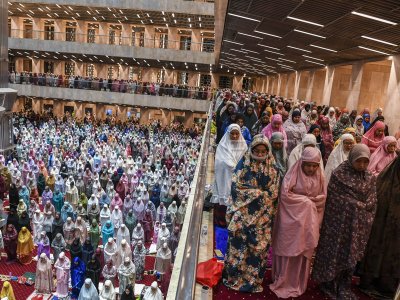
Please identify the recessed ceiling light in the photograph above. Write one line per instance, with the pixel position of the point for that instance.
(271, 58)
(253, 36)
(268, 47)
(238, 50)
(265, 33)
(274, 52)
(243, 17)
(287, 60)
(305, 21)
(314, 62)
(174, 21)
(162, 12)
(373, 18)
(173, 15)
(300, 49)
(377, 40)
(313, 57)
(250, 51)
(323, 48)
(309, 33)
(232, 42)
(373, 50)
(70, 7)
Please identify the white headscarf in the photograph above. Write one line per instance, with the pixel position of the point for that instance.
(88, 293)
(295, 155)
(231, 151)
(337, 156)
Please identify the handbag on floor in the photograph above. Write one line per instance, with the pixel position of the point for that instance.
(209, 273)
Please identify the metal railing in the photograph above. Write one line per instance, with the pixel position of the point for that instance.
(183, 279)
(112, 39)
(118, 86)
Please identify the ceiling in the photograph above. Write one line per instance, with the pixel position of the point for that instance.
(263, 37)
(110, 15)
(111, 60)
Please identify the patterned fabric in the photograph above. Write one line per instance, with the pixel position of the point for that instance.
(255, 187)
(346, 225)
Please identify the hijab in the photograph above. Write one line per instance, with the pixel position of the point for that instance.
(231, 151)
(279, 155)
(381, 157)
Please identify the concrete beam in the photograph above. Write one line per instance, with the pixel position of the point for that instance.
(182, 104)
(172, 6)
(112, 50)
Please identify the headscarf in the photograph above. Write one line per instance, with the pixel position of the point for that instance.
(7, 291)
(268, 130)
(359, 129)
(231, 151)
(294, 131)
(358, 151)
(279, 155)
(88, 293)
(369, 138)
(381, 158)
(344, 122)
(337, 156)
(130, 296)
(365, 123)
(332, 119)
(308, 139)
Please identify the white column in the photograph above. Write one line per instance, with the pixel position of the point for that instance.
(355, 85)
(326, 96)
(391, 110)
(310, 84)
(296, 85)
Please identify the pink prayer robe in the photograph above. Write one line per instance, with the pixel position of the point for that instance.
(62, 274)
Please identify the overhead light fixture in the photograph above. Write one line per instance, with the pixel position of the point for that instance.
(300, 49)
(271, 58)
(250, 51)
(268, 47)
(138, 16)
(173, 15)
(238, 50)
(189, 20)
(162, 12)
(314, 62)
(274, 52)
(312, 57)
(265, 33)
(232, 42)
(373, 18)
(287, 60)
(377, 40)
(373, 50)
(70, 7)
(323, 48)
(174, 21)
(254, 58)
(243, 17)
(309, 33)
(305, 21)
(253, 36)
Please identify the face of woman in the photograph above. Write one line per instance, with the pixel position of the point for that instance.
(240, 122)
(361, 164)
(379, 113)
(348, 145)
(316, 132)
(296, 119)
(234, 135)
(265, 119)
(276, 124)
(260, 151)
(366, 119)
(231, 109)
(391, 147)
(309, 168)
(379, 132)
(277, 145)
(250, 111)
(359, 122)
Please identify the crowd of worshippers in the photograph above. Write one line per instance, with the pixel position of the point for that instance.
(309, 187)
(114, 85)
(105, 195)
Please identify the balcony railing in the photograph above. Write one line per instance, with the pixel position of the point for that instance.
(114, 39)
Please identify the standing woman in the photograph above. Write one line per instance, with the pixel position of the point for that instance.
(327, 138)
(275, 126)
(295, 130)
(279, 153)
(25, 246)
(382, 256)
(255, 186)
(383, 155)
(373, 138)
(10, 242)
(296, 230)
(230, 150)
(346, 225)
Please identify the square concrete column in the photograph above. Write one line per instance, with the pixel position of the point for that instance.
(237, 83)
(17, 27)
(101, 70)
(126, 34)
(149, 36)
(173, 38)
(19, 65)
(310, 84)
(124, 73)
(296, 85)
(59, 67)
(80, 69)
(355, 85)
(193, 79)
(38, 28)
(103, 34)
(391, 109)
(196, 40)
(278, 89)
(189, 119)
(81, 31)
(37, 66)
(329, 75)
(144, 115)
(59, 30)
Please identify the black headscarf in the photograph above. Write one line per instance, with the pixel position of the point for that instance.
(24, 221)
(13, 218)
(131, 295)
(320, 143)
(76, 249)
(57, 226)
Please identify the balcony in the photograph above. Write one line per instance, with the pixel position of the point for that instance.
(106, 97)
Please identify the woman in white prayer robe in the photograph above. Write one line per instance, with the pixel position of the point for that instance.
(88, 291)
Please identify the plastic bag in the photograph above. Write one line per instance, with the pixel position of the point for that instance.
(209, 272)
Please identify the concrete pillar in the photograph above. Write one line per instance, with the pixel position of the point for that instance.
(101, 70)
(80, 69)
(144, 115)
(310, 85)
(237, 83)
(59, 30)
(36, 66)
(124, 73)
(126, 34)
(193, 78)
(189, 119)
(17, 27)
(296, 85)
(149, 36)
(267, 86)
(196, 40)
(103, 33)
(326, 95)
(81, 31)
(38, 28)
(278, 90)
(173, 38)
(355, 85)
(391, 109)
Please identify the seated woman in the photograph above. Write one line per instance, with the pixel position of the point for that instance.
(255, 186)
(296, 229)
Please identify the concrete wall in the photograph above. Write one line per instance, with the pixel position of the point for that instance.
(112, 50)
(173, 6)
(112, 98)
